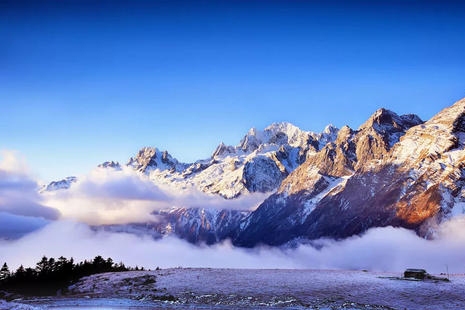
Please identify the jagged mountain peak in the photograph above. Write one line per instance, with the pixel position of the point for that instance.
(329, 134)
(384, 120)
(152, 158)
(394, 170)
(344, 134)
(285, 133)
(223, 149)
(278, 135)
(110, 164)
(58, 185)
(285, 127)
(330, 129)
(275, 134)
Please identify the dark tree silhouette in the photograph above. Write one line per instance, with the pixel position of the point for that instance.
(4, 272)
(50, 275)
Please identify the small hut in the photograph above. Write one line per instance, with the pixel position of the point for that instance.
(419, 274)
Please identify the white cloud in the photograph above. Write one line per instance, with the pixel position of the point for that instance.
(380, 249)
(103, 196)
(21, 207)
(119, 196)
(110, 196)
(14, 226)
(12, 161)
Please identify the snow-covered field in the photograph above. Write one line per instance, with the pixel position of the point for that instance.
(255, 289)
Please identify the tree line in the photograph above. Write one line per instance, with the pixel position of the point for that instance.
(51, 275)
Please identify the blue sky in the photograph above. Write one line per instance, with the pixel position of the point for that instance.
(82, 83)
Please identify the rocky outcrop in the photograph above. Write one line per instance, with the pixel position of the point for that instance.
(150, 158)
(110, 164)
(393, 170)
(336, 189)
(259, 163)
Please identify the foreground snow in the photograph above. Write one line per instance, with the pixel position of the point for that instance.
(258, 289)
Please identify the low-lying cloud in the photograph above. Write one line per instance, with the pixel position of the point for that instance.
(15, 226)
(103, 196)
(109, 196)
(121, 196)
(57, 223)
(380, 249)
(22, 209)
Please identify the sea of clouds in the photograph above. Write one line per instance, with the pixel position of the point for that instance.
(56, 224)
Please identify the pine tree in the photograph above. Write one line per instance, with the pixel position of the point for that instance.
(51, 274)
(42, 266)
(4, 272)
(20, 271)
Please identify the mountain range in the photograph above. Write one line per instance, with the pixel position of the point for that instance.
(394, 170)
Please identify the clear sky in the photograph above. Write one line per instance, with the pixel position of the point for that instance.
(82, 83)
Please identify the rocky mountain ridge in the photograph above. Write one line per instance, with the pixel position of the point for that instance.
(259, 163)
(287, 213)
(393, 170)
(408, 174)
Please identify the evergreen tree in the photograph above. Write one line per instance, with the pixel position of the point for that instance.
(4, 272)
(20, 271)
(51, 275)
(42, 265)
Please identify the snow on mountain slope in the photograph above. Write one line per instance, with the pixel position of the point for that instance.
(296, 207)
(397, 171)
(60, 184)
(432, 159)
(261, 160)
(149, 158)
(393, 170)
(196, 225)
(259, 163)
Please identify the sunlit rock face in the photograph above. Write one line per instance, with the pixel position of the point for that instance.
(393, 170)
(261, 160)
(259, 163)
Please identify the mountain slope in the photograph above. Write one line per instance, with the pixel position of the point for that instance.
(196, 225)
(307, 203)
(395, 170)
(258, 163)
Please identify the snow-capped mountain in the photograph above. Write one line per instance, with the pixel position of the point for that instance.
(258, 163)
(322, 175)
(151, 159)
(393, 170)
(60, 184)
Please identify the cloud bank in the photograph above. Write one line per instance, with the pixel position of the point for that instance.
(56, 224)
(380, 249)
(103, 196)
(109, 196)
(121, 196)
(21, 207)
